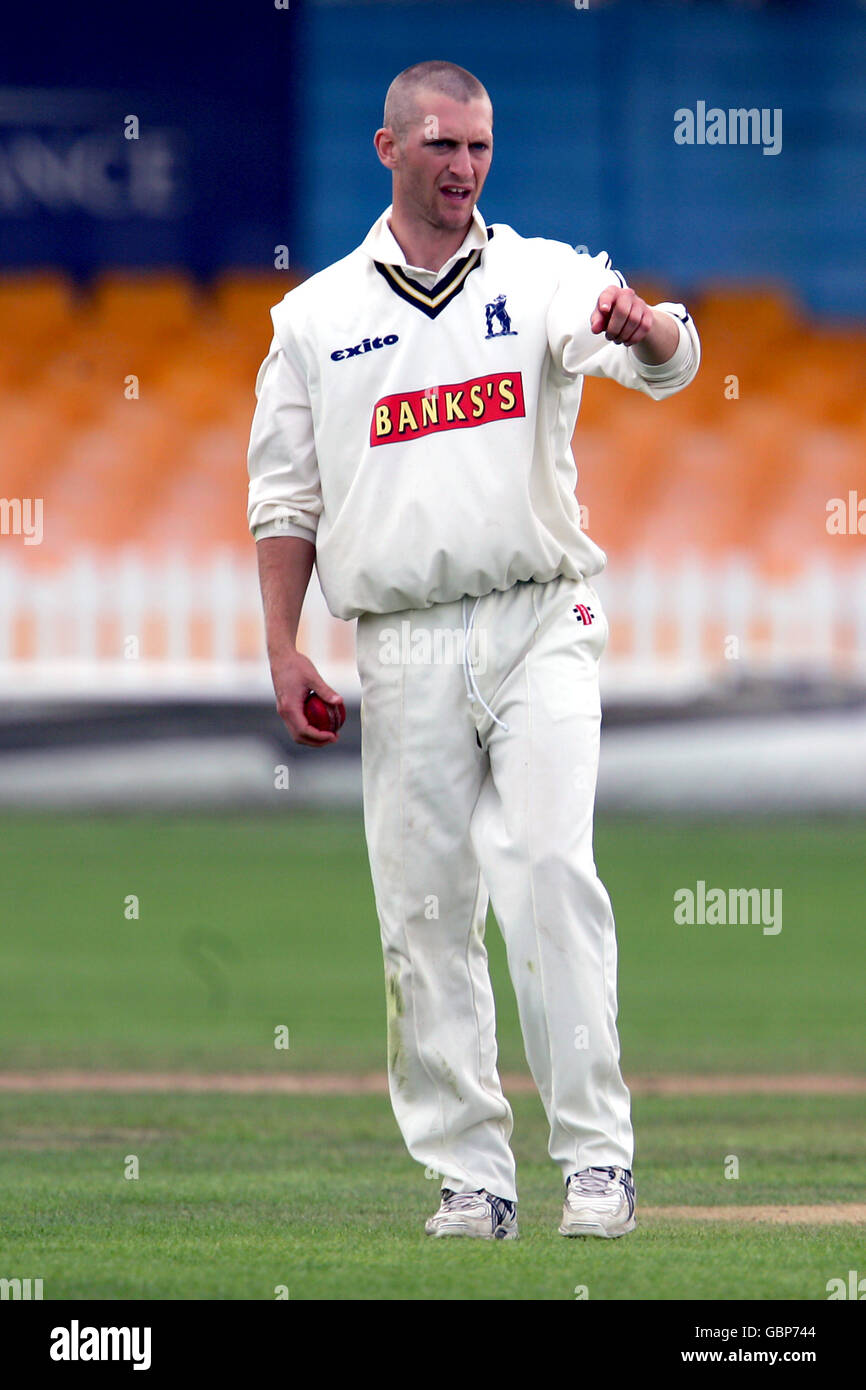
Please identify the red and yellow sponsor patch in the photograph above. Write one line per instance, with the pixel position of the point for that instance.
(464, 404)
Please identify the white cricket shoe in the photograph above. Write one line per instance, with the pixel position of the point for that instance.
(476, 1214)
(598, 1202)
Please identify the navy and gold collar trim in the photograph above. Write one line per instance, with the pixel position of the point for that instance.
(431, 302)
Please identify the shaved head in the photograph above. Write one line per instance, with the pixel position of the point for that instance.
(402, 109)
(437, 141)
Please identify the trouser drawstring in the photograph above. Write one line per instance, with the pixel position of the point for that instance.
(472, 691)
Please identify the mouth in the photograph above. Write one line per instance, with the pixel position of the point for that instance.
(454, 193)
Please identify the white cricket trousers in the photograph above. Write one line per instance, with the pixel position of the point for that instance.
(450, 823)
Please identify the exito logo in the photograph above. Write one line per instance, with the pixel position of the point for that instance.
(366, 345)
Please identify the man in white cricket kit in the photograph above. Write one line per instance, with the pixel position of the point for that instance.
(412, 437)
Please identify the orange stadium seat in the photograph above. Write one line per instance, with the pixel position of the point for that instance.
(241, 298)
(699, 509)
(31, 442)
(699, 472)
(113, 473)
(36, 307)
(827, 382)
(201, 387)
(621, 471)
(37, 317)
(746, 333)
(756, 311)
(830, 463)
(163, 305)
(241, 302)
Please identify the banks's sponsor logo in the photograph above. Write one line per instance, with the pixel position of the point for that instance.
(462, 405)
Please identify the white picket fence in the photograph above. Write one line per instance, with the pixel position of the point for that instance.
(113, 624)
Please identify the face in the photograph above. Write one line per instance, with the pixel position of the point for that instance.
(440, 170)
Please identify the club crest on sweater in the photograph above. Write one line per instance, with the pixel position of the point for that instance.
(496, 312)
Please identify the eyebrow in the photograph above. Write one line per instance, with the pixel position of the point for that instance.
(449, 140)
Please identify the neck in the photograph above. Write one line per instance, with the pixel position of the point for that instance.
(423, 245)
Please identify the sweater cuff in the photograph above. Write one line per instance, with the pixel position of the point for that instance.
(676, 366)
(279, 527)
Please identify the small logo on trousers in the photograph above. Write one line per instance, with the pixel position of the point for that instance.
(583, 614)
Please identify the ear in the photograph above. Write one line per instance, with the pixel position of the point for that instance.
(387, 147)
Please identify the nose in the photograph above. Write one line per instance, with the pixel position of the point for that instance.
(460, 164)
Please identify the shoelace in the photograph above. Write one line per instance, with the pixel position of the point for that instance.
(596, 1181)
(462, 1201)
(458, 1201)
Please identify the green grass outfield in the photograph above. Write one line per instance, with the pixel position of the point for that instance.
(237, 1195)
(246, 924)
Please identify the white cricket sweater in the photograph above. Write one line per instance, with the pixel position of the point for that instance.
(416, 426)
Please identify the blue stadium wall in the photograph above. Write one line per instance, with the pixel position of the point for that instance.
(260, 120)
(584, 104)
(209, 180)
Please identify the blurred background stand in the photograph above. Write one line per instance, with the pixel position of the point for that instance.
(153, 209)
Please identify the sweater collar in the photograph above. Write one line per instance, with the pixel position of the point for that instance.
(381, 245)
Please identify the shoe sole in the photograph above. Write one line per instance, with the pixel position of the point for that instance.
(456, 1231)
(589, 1228)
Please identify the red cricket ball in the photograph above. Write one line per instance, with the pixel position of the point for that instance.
(328, 718)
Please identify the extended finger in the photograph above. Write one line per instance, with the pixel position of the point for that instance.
(620, 315)
(640, 330)
(601, 312)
